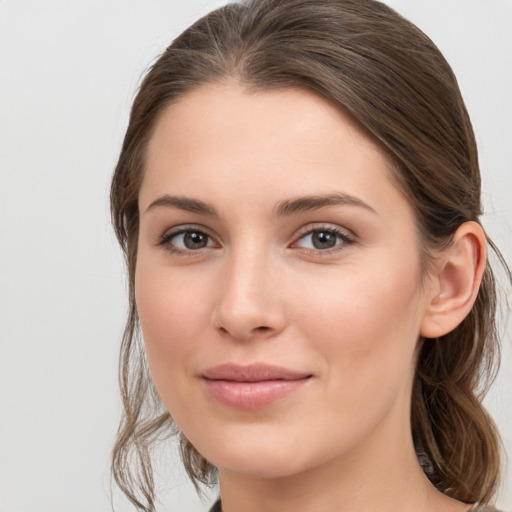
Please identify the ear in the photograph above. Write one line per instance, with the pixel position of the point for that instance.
(456, 281)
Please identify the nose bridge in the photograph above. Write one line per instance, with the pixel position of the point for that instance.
(248, 301)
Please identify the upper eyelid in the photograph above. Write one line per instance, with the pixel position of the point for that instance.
(183, 228)
(327, 226)
(307, 228)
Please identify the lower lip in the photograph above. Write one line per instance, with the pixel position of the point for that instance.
(252, 395)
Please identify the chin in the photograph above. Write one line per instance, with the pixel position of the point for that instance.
(252, 451)
(263, 452)
(260, 466)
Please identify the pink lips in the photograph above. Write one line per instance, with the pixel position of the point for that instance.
(253, 386)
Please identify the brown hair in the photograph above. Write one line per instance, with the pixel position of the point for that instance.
(389, 76)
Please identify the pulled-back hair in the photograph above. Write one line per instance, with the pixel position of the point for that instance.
(392, 80)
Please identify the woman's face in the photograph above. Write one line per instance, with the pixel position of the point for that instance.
(277, 282)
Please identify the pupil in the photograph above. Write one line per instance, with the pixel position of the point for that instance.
(324, 240)
(195, 240)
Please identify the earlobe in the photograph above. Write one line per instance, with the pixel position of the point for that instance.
(456, 281)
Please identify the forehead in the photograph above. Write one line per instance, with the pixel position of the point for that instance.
(211, 111)
(224, 139)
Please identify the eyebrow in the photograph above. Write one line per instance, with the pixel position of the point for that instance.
(316, 202)
(183, 203)
(282, 209)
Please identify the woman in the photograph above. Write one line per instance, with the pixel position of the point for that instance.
(298, 199)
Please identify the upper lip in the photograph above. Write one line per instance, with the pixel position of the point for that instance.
(255, 372)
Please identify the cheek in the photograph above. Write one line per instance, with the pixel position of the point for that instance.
(171, 318)
(367, 320)
(173, 321)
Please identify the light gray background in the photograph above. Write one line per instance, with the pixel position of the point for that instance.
(68, 72)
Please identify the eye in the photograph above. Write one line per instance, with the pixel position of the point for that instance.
(324, 239)
(187, 240)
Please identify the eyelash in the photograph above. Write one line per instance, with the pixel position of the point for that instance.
(167, 238)
(346, 240)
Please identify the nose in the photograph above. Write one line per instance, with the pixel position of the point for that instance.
(249, 301)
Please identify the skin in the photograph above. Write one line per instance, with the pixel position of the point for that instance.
(260, 291)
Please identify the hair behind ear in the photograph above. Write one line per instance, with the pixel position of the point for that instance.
(458, 443)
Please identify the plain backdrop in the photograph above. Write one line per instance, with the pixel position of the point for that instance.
(68, 72)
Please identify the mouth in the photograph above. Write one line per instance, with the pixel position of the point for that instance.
(253, 386)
